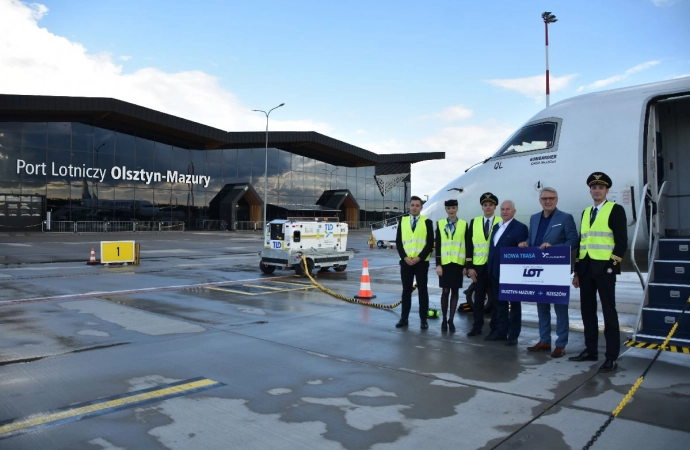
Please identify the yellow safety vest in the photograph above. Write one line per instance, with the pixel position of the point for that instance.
(452, 247)
(413, 241)
(481, 244)
(597, 240)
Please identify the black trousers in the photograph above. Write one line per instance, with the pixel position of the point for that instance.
(481, 289)
(507, 316)
(408, 274)
(605, 284)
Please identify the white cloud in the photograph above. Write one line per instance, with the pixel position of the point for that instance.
(125, 57)
(37, 10)
(42, 63)
(457, 112)
(463, 145)
(616, 78)
(533, 87)
(36, 62)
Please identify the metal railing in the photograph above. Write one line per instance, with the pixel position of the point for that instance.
(637, 228)
(112, 226)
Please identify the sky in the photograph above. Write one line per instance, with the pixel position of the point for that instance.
(388, 76)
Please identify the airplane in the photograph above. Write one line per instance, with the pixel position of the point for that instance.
(639, 136)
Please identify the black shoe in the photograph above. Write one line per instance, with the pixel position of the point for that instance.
(402, 323)
(609, 365)
(425, 325)
(511, 342)
(444, 325)
(584, 356)
(474, 332)
(451, 327)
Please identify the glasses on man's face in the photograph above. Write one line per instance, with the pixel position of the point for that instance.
(548, 199)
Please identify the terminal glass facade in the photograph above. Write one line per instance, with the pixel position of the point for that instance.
(91, 173)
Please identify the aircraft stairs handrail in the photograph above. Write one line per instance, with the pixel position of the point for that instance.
(386, 223)
(651, 256)
(634, 239)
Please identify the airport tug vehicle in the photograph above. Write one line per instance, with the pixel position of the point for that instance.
(321, 241)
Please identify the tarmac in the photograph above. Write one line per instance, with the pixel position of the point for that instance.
(195, 348)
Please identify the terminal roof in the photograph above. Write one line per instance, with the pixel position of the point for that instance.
(151, 124)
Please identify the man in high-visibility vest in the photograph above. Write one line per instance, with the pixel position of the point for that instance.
(415, 242)
(603, 242)
(479, 233)
(451, 237)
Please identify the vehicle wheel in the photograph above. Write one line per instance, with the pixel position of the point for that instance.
(341, 268)
(266, 268)
(299, 268)
(381, 244)
(310, 265)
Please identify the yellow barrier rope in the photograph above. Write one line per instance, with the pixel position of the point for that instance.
(637, 384)
(347, 299)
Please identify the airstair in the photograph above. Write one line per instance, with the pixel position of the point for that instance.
(667, 284)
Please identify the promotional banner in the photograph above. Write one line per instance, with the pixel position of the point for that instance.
(535, 275)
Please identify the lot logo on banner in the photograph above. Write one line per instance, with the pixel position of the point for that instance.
(535, 275)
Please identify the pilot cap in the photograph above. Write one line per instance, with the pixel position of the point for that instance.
(599, 178)
(451, 203)
(488, 197)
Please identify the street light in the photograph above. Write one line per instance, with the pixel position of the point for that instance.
(331, 179)
(548, 18)
(266, 160)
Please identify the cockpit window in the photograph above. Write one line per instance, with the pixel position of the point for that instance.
(540, 136)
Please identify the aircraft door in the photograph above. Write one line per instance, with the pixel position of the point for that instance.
(654, 176)
(673, 158)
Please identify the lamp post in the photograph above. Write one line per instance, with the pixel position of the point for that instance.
(548, 18)
(330, 180)
(266, 160)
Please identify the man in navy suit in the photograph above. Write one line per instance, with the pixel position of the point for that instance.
(508, 233)
(548, 228)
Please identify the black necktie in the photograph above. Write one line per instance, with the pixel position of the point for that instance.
(593, 216)
(486, 228)
(414, 223)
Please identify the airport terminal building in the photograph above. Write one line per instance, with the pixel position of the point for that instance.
(97, 159)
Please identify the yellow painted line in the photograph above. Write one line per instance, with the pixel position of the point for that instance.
(232, 291)
(261, 286)
(268, 289)
(654, 345)
(102, 407)
(293, 284)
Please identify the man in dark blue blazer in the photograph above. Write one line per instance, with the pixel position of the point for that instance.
(551, 227)
(508, 233)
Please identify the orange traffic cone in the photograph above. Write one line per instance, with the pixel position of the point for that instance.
(365, 285)
(92, 259)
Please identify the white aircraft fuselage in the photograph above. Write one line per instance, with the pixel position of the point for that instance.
(620, 132)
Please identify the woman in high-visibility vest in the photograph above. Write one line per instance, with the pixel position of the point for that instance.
(451, 234)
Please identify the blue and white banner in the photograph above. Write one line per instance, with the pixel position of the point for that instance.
(535, 275)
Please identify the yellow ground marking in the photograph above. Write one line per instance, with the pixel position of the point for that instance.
(44, 419)
(268, 289)
(654, 346)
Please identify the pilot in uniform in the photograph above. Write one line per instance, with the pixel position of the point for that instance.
(479, 235)
(603, 242)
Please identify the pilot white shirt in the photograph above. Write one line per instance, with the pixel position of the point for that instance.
(499, 232)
